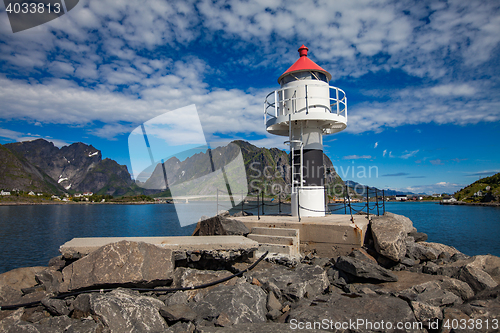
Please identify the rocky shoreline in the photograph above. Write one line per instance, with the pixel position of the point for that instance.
(398, 282)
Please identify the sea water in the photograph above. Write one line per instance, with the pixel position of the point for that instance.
(31, 234)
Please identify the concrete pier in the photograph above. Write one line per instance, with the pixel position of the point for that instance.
(330, 236)
(79, 247)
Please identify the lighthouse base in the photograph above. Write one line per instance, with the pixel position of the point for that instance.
(308, 201)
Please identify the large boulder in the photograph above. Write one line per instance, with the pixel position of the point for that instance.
(21, 278)
(364, 269)
(188, 277)
(230, 305)
(220, 225)
(15, 323)
(294, 284)
(406, 222)
(418, 251)
(125, 311)
(480, 272)
(347, 313)
(389, 236)
(123, 263)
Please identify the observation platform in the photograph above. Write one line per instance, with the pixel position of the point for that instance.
(330, 235)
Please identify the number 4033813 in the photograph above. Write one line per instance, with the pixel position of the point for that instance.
(471, 324)
(33, 7)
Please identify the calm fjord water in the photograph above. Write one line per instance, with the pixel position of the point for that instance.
(31, 235)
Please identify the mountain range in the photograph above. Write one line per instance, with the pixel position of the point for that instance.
(40, 166)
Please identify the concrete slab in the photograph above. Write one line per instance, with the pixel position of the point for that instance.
(79, 247)
(329, 236)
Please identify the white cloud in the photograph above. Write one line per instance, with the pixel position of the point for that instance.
(376, 145)
(408, 154)
(19, 137)
(440, 187)
(357, 157)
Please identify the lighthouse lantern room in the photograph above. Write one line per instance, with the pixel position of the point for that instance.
(305, 108)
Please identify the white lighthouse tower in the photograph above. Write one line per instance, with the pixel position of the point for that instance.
(305, 108)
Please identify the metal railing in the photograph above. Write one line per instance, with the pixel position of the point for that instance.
(274, 103)
(373, 204)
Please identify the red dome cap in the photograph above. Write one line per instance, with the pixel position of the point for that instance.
(304, 64)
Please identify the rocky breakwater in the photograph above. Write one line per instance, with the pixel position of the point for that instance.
(397, 283)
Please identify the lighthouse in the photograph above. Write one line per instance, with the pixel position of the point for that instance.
(304, 109)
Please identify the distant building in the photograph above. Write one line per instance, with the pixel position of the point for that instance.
(487, 188)
(32, 193)
(436, 195)
(55, 197)
(88, 194)
(451, 199)
(401, 197)
(4, 192)
(478, 194)
(77, 195)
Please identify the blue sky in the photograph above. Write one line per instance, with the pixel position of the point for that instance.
(421, 78)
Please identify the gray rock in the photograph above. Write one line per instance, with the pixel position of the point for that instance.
(188, 277)
(442, 248)
(57, 307)
(477, 279)
(125, 262)
(389, 237)
(20, 278)
(459, 256)
(179, 297)
(409, 261)
(244, 303)
(9, 295)
(220, 225)
(338, 309)
(81, 306)
(57, 263)
(181, 327)
(480, 272)
(425, 312)
(364, 269)
(297, 283)
(49, 279)
(406, 222)
(125, 311)
(177, 312)
(418, 236)
(273, 303)
(418, 251)
(430, 293)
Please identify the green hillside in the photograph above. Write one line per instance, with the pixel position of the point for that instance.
(484, 190)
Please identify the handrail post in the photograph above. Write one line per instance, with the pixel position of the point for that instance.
(258, 207)
(263, 203)
(383, 200)
(279, 203)
(376, 198)
(307, 102)
(276, 103)
(367, 203)
(337, 101)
